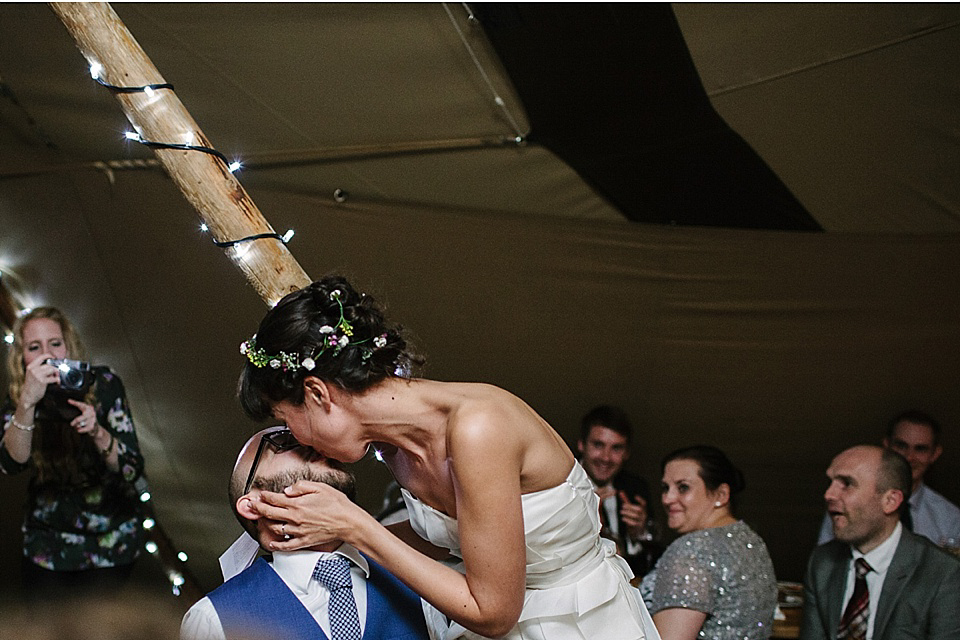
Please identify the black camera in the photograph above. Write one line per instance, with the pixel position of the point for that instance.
(76, 379)
(74, 374)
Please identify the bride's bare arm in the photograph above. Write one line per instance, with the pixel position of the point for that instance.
(405, 532)
(485, 459)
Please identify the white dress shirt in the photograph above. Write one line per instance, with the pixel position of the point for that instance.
(609, 505)
(879, 560)
(295, 568)
(934, 516)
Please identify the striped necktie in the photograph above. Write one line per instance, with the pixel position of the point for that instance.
(853, 624)
(334, 574)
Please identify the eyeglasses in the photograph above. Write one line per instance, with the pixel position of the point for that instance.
(280, 440)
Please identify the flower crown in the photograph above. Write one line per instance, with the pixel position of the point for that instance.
(336, 338)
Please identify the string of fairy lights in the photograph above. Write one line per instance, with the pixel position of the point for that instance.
(157, 544)
(240, 245)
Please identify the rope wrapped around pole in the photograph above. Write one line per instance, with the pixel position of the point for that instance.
(158, 115)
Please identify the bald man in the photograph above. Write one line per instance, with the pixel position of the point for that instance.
(289, 597)
(916, 436)
(876, 580)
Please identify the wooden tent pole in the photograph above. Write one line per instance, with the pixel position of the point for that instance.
(159, 116)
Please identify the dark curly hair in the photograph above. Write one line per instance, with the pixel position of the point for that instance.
(294, 326)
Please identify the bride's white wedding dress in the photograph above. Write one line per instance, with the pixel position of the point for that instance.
(578, 588)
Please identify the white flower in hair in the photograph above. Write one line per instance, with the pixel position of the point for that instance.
(335, 294)
(380, 342)
(243, 348)
(275, 364)
(343, 341)
(326, 329)
(308, 364)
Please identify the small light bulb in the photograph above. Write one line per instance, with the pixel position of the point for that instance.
(145, 496)
(149, 523)
(151, 547)
(95, 70)
(132, 135)
(378, 455)
(204, 227)
(234, 166)
(177, 579)
(241, 250)
(8, 338)
(286, 237)
(183, 556)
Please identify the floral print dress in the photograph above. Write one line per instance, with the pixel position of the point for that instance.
(96, 522)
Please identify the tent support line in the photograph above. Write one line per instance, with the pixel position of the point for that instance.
(285, 158)
(219, 199)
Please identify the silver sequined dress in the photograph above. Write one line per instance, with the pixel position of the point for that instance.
(725, 572)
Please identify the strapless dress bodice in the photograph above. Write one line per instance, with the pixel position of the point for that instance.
(576, 584)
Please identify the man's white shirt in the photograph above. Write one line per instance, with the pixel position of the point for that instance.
(879, 560)
(295, 568)
(609, 505)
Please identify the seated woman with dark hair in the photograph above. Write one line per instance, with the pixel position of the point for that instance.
(716, 580)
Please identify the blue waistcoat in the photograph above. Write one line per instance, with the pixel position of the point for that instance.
(258, 604)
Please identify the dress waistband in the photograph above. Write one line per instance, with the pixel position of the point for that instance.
(553, 572)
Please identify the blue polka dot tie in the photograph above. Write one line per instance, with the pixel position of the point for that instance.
(334, 574)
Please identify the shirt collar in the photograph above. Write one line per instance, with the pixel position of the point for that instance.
(608, 485)
(880, 558)
(296, 567)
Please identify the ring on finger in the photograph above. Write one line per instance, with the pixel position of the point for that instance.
(82, 423)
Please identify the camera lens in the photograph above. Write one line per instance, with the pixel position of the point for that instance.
(71, 379)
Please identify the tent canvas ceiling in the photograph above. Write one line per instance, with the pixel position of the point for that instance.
(506, 265)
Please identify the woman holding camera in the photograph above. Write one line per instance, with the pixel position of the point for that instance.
(71, 425)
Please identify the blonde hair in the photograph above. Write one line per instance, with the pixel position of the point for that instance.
(16, 369)
(56, 451)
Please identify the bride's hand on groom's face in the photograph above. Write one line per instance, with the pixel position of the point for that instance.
(307, 514)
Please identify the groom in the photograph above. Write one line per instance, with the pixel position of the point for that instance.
(294, 596)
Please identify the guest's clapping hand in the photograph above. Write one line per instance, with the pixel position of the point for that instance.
(634, 515)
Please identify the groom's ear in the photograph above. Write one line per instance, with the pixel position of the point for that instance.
(245, 507)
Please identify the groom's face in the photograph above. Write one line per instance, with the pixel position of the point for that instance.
(278, 470)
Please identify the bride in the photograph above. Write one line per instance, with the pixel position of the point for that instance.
(484, 477)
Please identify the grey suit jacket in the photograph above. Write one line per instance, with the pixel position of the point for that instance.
(920, 597)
